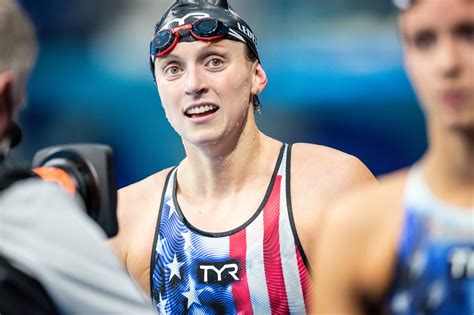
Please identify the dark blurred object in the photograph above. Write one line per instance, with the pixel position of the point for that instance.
(86, 169)
(14, 133)
(11, 139)
(21, 294)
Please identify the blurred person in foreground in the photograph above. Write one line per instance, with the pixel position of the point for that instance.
(407, 246)
(53, 258)
(227, 230)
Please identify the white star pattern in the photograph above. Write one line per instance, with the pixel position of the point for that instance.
(171, 206)
(192, 294)
(187, 240)
(174, 268)
(159, 245)
(162, 305)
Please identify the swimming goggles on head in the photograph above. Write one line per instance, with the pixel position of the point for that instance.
(205, 29)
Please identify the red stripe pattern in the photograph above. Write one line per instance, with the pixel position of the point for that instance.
(271, 253)
(240, 289)
(305, 278)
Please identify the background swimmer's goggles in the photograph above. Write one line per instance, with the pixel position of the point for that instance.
(205, 29)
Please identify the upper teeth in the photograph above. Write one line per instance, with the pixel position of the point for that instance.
(200, 109)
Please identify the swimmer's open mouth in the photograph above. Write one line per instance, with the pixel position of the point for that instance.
(201, 110)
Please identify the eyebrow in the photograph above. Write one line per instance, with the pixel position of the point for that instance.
(213, 48)
(172, 57)
(212, 45)
(167, 57)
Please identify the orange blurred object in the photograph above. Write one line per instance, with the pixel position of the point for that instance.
(57, 175)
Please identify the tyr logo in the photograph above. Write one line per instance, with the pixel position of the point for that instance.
(184, 20)
(219, 272)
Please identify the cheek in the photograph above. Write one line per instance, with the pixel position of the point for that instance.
(418, 70)
(469, 61)
(233, 89)
(243, 88)
(167, 94)
(168, 101)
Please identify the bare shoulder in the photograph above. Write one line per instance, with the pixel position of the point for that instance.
(319, 176)
(334, 166)
(137, 213)
(137, 203)
(141, 191)
(358, 244)
(370, 203)
(370, 220)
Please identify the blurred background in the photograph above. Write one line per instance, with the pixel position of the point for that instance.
(335, 78)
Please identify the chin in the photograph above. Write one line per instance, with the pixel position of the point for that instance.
(463, 126)
(459, 120)
(202, 139)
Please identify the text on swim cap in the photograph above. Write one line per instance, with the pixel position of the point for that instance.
(247, 32)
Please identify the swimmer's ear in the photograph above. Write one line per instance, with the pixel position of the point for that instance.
(259, 79)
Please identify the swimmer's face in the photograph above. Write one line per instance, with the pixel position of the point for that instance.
(439, 58)
(206, 89)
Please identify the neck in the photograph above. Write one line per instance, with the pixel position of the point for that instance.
(224, 167)
(448, 166)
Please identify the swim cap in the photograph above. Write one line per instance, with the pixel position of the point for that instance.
(184, 12)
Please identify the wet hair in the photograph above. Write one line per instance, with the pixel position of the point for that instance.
(250, 56)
